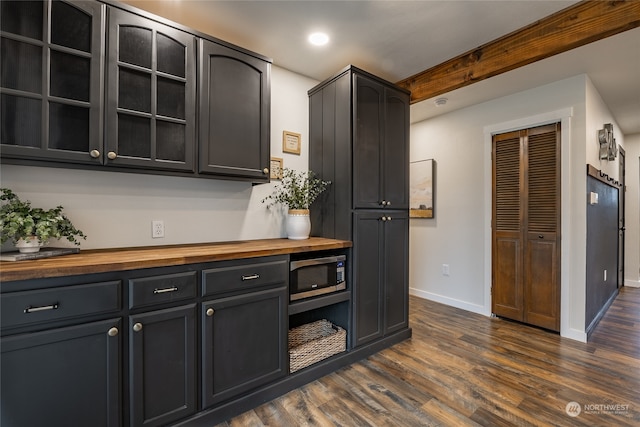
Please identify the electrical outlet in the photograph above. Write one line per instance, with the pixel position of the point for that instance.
(157, 229)
(445, 269)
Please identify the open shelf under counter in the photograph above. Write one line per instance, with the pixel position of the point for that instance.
(318, 302)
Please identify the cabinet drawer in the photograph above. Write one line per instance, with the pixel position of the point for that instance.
(240, 277)
(46, 305)
(161, 289)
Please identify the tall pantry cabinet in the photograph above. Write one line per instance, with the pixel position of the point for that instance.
(359, 140)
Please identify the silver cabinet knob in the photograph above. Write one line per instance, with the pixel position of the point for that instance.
(388, 203)
(137, 327)
(113, 332)
(112, 155)
(388, 218)
(94, 153)
(265, 170)
(210, 312)
(384, 218)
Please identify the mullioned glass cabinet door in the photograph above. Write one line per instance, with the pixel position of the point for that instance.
(50, 80)
(151, 83)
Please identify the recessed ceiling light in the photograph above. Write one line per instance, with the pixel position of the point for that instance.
(318, 39)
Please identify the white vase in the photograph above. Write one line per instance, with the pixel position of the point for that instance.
(29, 246)
(298, 224)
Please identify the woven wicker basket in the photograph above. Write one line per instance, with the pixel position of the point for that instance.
(313, 342)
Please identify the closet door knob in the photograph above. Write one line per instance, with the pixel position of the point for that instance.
(112, 155)
(113, 332)
(210, 312)
(94, 153)
(137, 327)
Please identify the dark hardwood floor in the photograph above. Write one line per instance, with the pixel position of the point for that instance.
(464, 369)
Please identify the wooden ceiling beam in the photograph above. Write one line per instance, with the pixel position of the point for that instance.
(575, 26)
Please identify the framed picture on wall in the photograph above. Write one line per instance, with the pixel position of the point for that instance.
(421, 189)
(291, 142)
(275, 171)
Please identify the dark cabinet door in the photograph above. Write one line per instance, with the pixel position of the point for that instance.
(395, 262)
(380, 145)
(51, 80)
(244, 343)
(368, 276)
(162, 366)
(367, 143)
(380, 292)
(234, 99)
(72, 373)
(395, 149)
(151, 83)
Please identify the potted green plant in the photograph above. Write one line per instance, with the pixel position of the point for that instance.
(297, 191)
(29, 228)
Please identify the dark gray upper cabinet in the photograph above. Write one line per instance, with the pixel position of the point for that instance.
(151, 94)
(359, 140)
(97, 85)
(234, 100)
(381, 152)
(51, 80)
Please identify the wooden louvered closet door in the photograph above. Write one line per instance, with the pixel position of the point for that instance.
(526, 226)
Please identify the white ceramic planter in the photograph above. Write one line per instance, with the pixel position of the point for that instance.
(29, 246)
(298, 224)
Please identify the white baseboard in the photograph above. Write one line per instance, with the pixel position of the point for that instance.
(474, 308)
(574, 334)
(570, 333)
(632, 283)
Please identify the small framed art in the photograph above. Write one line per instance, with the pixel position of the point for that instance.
(275, 168)
(291, 142)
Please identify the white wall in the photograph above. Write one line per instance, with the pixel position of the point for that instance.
(632, 236)
(460, 234)
(116, 209)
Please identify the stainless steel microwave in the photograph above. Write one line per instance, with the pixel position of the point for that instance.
(317, 276)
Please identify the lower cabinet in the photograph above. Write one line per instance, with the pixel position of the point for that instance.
(244, 343)
(63, 377)
(171, 345)
(380, 292)
(162, 366)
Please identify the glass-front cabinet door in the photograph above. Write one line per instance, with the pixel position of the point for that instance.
(150, 94)
(50, 80)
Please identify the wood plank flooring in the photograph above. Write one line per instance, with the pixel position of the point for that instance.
(464, 369)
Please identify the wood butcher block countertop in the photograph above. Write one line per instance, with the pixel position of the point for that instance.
(106, 260)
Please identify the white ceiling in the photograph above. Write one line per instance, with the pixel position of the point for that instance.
(395, 39)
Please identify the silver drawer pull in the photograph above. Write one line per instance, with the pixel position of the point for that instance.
(165, 290)
(32, 309)
(251, 277)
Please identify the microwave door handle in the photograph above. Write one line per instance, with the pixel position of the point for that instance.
(294, 265)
